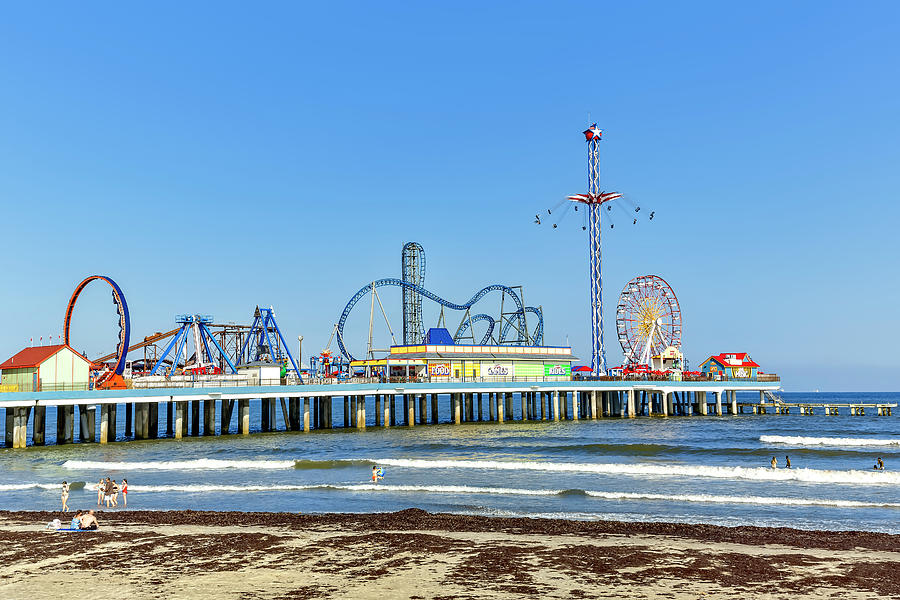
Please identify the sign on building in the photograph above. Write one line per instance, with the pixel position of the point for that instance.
(557, 370)
(439, 369)
(496, 370)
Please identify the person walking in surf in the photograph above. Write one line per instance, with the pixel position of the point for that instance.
(377, 474)
(774, 463)
(65, 496)
(787, 462)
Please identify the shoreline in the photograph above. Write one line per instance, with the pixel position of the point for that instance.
(418, 519)
(416, 554)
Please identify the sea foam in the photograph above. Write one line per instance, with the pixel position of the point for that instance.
(503, 491)
(797, 440)
(660, 470)
(178, 465)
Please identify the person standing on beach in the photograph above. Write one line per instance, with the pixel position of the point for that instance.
(124, 493)
(115, 494)
(100, 487)
(787, 462)
(774, 463)
(107, 491)
(65, 497)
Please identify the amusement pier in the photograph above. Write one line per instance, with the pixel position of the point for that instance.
(483, 360)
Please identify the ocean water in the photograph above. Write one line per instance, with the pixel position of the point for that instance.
(685, 469)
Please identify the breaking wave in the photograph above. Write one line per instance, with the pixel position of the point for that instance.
(660, 470)
(797, 440)
(464, 489)
(178, 465)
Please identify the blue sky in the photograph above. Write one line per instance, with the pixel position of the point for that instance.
(216, 156)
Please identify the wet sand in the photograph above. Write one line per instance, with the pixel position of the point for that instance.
(414, 554)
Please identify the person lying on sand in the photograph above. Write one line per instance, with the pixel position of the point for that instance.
(89, 521)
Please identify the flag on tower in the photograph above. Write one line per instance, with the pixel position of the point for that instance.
(592, 132)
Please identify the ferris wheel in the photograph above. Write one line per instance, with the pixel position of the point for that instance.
(648, 319)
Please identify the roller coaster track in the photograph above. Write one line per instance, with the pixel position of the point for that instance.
(538, 337)
(391, 281)
(480, 317)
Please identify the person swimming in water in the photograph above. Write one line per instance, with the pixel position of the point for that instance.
(787, 462)
(879, 464)
(377, 474)
(774, 463)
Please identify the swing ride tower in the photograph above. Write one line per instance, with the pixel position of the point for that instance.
(594, 201)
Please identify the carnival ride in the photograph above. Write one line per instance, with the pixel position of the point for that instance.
(193, 330)
(512, 318)
(648, 320)
(593, 202)
(201, 346)
(265, 341)
(106, 376)
(413, 270)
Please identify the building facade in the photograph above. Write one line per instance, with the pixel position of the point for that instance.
(734, 365)
(45, 368)
(448, 362)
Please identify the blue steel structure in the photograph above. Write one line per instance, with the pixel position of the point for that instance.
(196, 324)
(262, 332)
(595, 199)
(518, 316)
(413, 271)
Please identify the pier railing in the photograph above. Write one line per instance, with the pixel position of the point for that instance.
(238, 381)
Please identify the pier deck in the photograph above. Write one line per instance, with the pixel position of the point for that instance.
(192, 411)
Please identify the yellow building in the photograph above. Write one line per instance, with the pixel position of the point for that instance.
(450, 362)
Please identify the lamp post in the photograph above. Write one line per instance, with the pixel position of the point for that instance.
(300, 356)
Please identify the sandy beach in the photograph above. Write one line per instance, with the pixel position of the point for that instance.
(414, 554)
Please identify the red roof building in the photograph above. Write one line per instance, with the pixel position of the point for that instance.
(45, 368)
(734, 365)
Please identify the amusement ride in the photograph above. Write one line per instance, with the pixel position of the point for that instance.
(507, 327)
(648, 319)
(592, 203)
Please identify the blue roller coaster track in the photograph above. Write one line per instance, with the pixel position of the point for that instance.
(518, 315)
